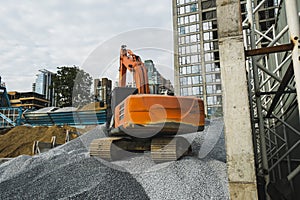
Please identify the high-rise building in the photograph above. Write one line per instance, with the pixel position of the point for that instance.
(196, 57)
(43, 84)
(157, 83)
(102, 90)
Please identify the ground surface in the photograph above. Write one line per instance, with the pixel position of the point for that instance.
(68, 172)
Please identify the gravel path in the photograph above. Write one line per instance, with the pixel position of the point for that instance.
(67, 172)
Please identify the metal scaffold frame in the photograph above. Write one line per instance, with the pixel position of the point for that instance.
(274, 90)
(10, 117)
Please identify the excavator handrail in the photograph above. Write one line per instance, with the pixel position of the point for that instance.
(132, 62)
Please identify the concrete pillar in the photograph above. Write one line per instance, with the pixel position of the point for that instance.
(238, 135)
(176, 53)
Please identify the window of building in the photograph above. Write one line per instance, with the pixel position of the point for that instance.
(186, 19)
(180, 1)
(182, 60)
(209, 56)
(181, 30)
(211, 100)
(188, 49)
(181, 40)
(183, 81)
(185, 70)
(213, 78)
(184, 1)
(188, 69)
(209, 15)
(184, 91)
(211, 67)
(218, 89)
(195, 69)
(181, 10)
(213, 89)
(194, 7)
(189, 80)
(193, 28)
(195, 59)
(196, 90)
(209, 25)
(188, 59)
(180, 20)
(190, 91)
(214, 100)
(210, 89)
(210, 35)
(187, 9)
(218, 77)
(210, 78)
(196, 80)
(207, 36)
(192, 18)
(193, 38)
(187, 39)
(208, 4)
(206, 26)
(210, 46)
(195, 48)
(216, 55)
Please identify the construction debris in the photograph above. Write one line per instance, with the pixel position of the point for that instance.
(67, 172)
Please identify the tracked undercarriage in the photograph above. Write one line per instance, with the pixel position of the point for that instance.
(162, 149)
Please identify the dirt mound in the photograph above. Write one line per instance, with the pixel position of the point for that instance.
(19, 140)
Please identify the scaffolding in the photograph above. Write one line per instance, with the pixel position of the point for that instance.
(10, 117)
(271, 39)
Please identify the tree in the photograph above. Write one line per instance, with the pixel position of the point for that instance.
(72, 86)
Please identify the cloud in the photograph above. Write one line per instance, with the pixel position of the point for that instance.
(48, 34)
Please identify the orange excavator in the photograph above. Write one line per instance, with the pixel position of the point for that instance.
(147, 122)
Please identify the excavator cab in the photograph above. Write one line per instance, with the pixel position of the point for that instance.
(148, 122)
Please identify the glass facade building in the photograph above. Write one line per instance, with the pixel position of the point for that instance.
(197, 66)
(43, 84)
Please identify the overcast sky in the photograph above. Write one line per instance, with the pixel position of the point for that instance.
(88, 33)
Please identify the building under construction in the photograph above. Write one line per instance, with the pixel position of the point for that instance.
(210, 39)
(242, 58)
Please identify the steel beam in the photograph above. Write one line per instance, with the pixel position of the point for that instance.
(285, 81)
(272, 49)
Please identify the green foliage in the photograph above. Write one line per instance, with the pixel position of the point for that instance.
(72, 86)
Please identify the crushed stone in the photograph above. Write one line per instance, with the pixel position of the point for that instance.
(68, 172)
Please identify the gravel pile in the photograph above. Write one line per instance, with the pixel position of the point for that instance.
(67, 172)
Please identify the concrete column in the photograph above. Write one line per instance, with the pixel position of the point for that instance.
(176, 53)
(238, 135)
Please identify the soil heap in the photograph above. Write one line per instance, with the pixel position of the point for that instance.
(19, 140)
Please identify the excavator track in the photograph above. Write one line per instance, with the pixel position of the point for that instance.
(103, 148)
(168, 149)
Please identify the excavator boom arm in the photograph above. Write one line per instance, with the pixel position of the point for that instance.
(133, 63)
